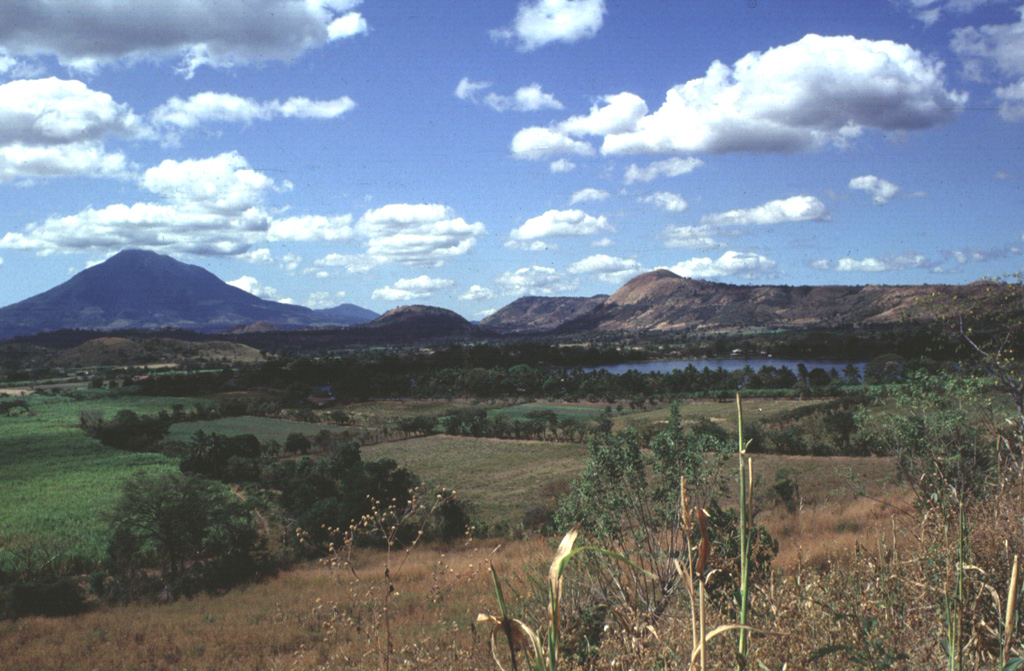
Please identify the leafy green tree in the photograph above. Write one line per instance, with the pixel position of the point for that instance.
(181, 523)
(297, 443)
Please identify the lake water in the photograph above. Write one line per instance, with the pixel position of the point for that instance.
(729, 364)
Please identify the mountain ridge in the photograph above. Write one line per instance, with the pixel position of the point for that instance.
(662, 301)
(142, 289)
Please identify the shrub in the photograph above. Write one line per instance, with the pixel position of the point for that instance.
(451, 518)
(297, 443)
(56, 598)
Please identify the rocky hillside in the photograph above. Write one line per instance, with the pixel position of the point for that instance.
(540, 313)
(663, 301)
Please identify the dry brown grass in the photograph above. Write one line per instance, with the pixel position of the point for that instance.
(843, 502)
(308, 618)
(829, 534)
(501, 478)
(15, 391)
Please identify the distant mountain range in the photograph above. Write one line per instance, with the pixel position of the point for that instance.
(662, 301)
(144, 290)
(138, 289)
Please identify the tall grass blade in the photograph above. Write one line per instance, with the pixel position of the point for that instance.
(744, 541)
(1011, 610)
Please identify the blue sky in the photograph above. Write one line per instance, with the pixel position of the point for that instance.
(463, 154)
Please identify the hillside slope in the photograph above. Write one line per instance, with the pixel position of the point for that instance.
(660, 300)
(139, 289)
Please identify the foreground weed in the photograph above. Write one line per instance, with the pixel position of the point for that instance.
(540, 654)
(397, 528)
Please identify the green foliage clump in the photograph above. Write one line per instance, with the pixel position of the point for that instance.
(127, 430)
(627, 499)
(188, 527)
(54, 598)
(227, 458)
(335, 491)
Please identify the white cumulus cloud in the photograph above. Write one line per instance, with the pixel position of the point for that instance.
(347, 25)
(796, 208)
(619, 114)
(253, 286)
(671, 167)
(321, 300)
(54, 127)
(562, 165)
(691, 237)
(607, 268)
(670, 202)
(468, 90)
(311, 228)
(416, 234)
(225, 107)
(998, 47)
(558, 223)
(542, 22)
(537, 143)
(477, 293)
(221, 184)
(261, 255)
(525, 99)
(796, 97)
(210, 207)
(882, 264)
(534, 280)
(881, 190)
(411, 289)
(353, 263)
(729, 264)
(588, 194)
(90, 159)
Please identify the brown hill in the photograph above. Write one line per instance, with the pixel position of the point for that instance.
(255, 327)
(663, 301)
(116, 351)
(418, 322)
(542, 313)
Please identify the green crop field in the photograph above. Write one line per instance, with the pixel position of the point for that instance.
(501, 478)
(56, 481)
(264, 428)
(581, 411)
(388, 409)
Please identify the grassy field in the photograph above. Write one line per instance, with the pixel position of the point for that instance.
(56, 481)
(580, 411)
(313, 617)
(385, 410)
(501, 478)
(723, 413)
(264, 428)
